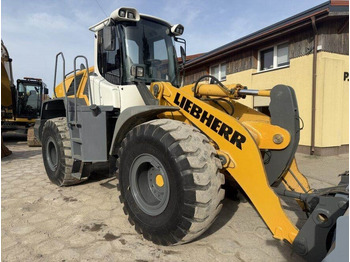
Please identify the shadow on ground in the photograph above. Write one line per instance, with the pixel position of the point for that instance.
(16, 138)
(21, 155)
(12, 136)
(228, 210)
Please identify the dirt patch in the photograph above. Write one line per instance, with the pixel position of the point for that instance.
(169, 252)
(70, 199)
(110, 237)
(123, 241)
(94, 227)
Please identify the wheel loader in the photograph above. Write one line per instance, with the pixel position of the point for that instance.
(173, 147)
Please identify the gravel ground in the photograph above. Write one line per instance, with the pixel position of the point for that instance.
(42, 222)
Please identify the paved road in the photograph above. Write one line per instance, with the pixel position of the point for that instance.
(41, 222)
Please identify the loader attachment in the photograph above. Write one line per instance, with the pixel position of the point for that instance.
(241, 146)
(326, 205)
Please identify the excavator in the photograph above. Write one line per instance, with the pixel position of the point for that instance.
(20, 105)
(174, 147)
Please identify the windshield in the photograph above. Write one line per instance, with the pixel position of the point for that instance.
(148, 45)
(29, 99)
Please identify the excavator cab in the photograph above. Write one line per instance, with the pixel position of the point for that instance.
(30, 93)
(20, 105)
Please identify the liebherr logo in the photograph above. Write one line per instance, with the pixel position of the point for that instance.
(234, 137)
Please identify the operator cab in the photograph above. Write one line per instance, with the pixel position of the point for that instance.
(30, 92)
(131, 48)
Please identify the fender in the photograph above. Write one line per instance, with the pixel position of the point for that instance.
(53, 108)
(132, 117)
(50, 109)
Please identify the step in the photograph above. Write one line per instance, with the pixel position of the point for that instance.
(71, 123)
(76, 175)
(77, 140)
(77, 157)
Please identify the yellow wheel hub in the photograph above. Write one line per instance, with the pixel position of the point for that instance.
(159, 180)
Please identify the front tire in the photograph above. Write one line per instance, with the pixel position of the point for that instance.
(169, 181)
(56, 151)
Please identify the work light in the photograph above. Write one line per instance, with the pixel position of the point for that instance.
(125, 14)
(177, 29)
(137, 71)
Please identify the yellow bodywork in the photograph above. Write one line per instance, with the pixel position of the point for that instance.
(59, 89)
(6, 92)
(239, 138)
(6, 77)
(6, 96)
(21, 120)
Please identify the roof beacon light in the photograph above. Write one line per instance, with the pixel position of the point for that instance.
(177, 29)
(125, 14)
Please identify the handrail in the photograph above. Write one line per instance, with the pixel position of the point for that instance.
(64, 74)
(64, 83)
(75, 84)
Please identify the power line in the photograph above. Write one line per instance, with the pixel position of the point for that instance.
(100, 7)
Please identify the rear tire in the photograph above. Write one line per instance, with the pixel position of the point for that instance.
(181, 204)
(56, 151)
(32, 141)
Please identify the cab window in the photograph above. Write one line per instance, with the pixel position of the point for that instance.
(71, 86)
(108, 61)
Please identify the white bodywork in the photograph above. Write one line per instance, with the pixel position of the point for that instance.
(105, 93)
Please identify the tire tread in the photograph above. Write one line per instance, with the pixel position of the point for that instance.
(202, 164)
(59, 125)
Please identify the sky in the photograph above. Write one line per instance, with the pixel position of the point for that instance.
(35, 31)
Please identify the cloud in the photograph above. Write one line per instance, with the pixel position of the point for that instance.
(49, 22)
(184, 12)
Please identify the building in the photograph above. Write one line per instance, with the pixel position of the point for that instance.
(309, 52)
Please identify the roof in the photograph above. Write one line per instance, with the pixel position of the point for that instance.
(339, 7)
(190, 57)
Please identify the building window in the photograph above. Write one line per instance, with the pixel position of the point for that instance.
(219, 71)
(282, 55)
(266, 59)
(273, 57)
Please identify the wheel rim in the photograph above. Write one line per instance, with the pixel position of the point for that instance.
(51, 154)
(149, 184)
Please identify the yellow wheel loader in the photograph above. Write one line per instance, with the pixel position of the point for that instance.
(174, 147)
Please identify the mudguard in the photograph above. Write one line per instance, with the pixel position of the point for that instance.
(132, 117)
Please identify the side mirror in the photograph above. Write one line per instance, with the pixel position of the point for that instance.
(46, 91)
(183, 55)
(109, 38)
